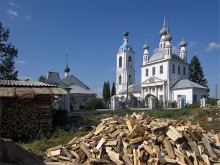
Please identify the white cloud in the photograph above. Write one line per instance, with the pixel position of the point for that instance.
(12, 13)
(212, 46)
(13, 4)
(23, 78)
(21, 62)
(28, 17)
(193, 44)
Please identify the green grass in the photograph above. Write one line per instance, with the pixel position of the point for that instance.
(57, 137)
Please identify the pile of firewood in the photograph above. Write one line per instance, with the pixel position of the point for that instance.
(26, 118)
(138, 140)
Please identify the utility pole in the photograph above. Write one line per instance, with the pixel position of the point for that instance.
(216, 91)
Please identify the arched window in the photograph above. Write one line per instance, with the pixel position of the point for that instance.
(119, 80)
(120, 62)
(129, 80)
(129, 62)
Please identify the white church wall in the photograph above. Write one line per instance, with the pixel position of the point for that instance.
(184, 93)
(157, 70)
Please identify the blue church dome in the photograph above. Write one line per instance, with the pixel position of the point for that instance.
(125, 47)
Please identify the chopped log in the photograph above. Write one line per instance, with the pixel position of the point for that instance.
(208, 147)
(169, 148)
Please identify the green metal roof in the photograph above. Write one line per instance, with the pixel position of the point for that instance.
(187, 84)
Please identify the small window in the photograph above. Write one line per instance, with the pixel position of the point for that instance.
(173, 68)
(161, 69)
(153, 71)
(129, 80)
(119, 80)
(120, 62)
(184, 70)
(129, 62)
(146, 72)
(178, 69)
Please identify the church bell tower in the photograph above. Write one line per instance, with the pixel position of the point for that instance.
(125, 72)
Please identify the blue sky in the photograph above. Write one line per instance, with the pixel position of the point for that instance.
(90, 32)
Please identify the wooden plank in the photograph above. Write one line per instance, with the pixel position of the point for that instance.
(100, 143)
(149, 150)
(128, 122)
(180, 156)
(172, 135)
(53, 153)
(111, 143)
(115, 133)
(99, 129)
(114, 157)
(55, 148)
(208, 147)
(72, 141)
(74, 154)
(194, 148)
(169, 148)
(126, 160)
(85, 150)
(175, 131)
(206, 159)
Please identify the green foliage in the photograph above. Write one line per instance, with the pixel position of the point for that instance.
(57, 137)
(42, 78)
(133, 100)
(212, 101)
(193, 106)
(106, 91)
(113, 91)
(196, 73)
(95, 103)
(7, 54)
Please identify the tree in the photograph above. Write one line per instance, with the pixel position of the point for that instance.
(106, 91)
(113, 91)
(42, 78)
(7, 54)
(196, 73)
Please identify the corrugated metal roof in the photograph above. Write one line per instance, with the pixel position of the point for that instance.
(187, 84)
(77, 89)
(160, 55)
(133, 88)
(16, 83)
(72, 80)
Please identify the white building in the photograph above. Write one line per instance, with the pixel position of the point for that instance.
(163, 74)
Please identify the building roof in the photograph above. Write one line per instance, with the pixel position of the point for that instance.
(75, 89)
(27, 89)
(125, 47)
(160, 55)
(182, 84)
(133, 88)
(72, 80)
(16, 83)
(54, 78)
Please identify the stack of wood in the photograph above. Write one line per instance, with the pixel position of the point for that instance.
(139, 140)
(26, 118)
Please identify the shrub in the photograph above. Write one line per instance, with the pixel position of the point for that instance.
(95, 103)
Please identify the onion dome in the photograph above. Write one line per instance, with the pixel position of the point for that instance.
(163, 31)
(66, 69)
(183, 44)
(168, 37)
(146, 46)
(126, 33)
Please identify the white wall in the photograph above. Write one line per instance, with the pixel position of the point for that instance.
(186, 92)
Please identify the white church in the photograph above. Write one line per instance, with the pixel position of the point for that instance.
(164, 74)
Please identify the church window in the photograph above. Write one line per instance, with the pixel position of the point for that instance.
(178, 69)
(173, 68)
(161, 69)
(129, 80)
(153, 71)
(184, 70)
(120, 62)
(146, 72)
(129, 62)
(119, 80)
